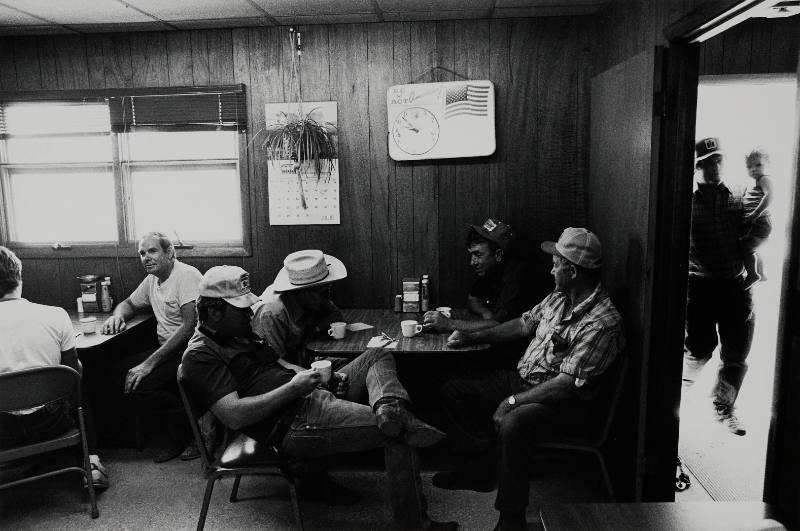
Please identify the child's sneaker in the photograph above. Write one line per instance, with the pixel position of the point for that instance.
(726, 416)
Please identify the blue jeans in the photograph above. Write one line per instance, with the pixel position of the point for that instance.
(718, 311)
(327, 425)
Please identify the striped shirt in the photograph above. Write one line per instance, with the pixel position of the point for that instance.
(717, 223)
(582, 341)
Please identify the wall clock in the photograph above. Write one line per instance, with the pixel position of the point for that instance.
(441, 120)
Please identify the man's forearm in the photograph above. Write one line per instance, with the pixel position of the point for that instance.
(555, 390)
(172, 347)
(125, 310)
(459, 324)
(237, 412)
(502, 333)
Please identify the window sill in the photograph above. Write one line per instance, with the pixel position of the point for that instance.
(126, 250)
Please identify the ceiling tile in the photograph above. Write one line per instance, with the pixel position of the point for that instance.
(328, 19)
(79, 11)
(400, 6)
(197, 9)
(153, 25)
(434, 15)
(12, 17)
(211, 23)
(282, 8)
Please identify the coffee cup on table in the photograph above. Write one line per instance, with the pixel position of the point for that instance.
(323, 367)
(444, 310)
(337, 330)
(410, 328)
(88, 324)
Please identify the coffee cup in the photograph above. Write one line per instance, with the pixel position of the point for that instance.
(410, 328)
(323, 367)
(337, 330)
(88, 324)
(444, 310)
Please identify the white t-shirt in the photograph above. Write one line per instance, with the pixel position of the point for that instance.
(166, 298)
(33, 335)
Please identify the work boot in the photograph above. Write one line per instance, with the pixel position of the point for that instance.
(396, 421)
(388, 417)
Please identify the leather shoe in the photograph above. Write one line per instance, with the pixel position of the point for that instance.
(191, 452)
(441, 526)
(418, 434)
(388, 417)
(453, 480)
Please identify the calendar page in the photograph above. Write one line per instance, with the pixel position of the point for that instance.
(303, 200)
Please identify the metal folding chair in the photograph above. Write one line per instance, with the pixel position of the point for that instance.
(38, 386)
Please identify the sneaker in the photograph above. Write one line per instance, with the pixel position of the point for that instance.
(99, 475)
(726, 416)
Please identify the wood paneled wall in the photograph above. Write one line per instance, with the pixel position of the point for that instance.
(397, 219)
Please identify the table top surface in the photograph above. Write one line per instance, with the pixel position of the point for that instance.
(92, 340)
(387, 321)
(706, 516)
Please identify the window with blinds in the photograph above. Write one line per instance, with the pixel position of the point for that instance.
(110, 167)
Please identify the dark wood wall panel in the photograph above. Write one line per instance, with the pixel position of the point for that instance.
(398, 219)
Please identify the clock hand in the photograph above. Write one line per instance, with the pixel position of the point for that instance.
(409, 125)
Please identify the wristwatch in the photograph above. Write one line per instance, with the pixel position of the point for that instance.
(511, 400)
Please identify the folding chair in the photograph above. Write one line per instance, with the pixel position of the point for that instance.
(243, 456)
(38, 386)
(593, 442)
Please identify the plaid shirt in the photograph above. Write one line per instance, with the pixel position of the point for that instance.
(582, 341)
(717, 223)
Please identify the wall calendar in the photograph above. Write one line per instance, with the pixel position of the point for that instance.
(316, 203)
(441, 120)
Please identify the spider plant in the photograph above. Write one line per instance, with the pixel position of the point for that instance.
(297, 136)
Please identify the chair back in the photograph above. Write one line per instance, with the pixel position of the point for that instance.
(37, 386)
(616, 383)
(192, 411)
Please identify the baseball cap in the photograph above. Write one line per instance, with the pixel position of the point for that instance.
(495, 230)
(227, 282)
(578, 245)
(706, 147)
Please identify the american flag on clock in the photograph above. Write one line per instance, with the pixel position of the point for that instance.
(466, 99)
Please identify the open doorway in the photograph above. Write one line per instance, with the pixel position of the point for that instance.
(743, 112)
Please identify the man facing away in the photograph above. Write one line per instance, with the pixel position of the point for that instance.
(501, 290)
(147, 378)
(575, 335)
(719, 308)
(248, 387)
(35, 335)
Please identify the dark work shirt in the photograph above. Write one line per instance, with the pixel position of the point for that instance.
(505, 290)
(215, 367)
(717, 223)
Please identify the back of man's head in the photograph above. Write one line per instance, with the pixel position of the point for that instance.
(10, 271)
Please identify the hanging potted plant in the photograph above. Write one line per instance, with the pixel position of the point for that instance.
(310, 143)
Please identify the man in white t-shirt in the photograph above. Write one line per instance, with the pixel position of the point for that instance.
(35, 335)
(148, 379)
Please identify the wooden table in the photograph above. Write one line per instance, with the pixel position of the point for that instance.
(354, 343)
(691, 516)
(87, 341)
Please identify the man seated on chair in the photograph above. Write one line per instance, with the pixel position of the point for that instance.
(502, 288)
(146, 379)
(248, 387)
(35, 335)
(297, 305)
(576, 334)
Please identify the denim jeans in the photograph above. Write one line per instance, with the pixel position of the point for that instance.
(45, 423)
(718, 311)
(469, 405)
(327, 425)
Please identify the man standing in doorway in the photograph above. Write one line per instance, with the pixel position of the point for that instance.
(719, 308)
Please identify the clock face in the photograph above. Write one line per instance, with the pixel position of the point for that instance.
(415, 130)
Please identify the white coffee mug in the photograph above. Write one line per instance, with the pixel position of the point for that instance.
(410, 328)
(337, 330)
(87, 324)
(444, 310)
(323, 367)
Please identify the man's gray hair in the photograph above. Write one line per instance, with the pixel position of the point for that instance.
(163, 241)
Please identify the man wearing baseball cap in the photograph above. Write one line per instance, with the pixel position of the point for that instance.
(719, 308)
(502, 288)
(249, 388)
(575, 335)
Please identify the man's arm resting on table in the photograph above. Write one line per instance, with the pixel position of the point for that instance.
(237, 412)
(171, 347)
(116, 323)
(502, 333)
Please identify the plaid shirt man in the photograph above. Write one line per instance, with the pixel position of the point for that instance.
(582, 341)
(717, 222)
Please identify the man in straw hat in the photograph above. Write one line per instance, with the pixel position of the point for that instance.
(575, 335)
(297, 305)
(249, 388)
(717, 300)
